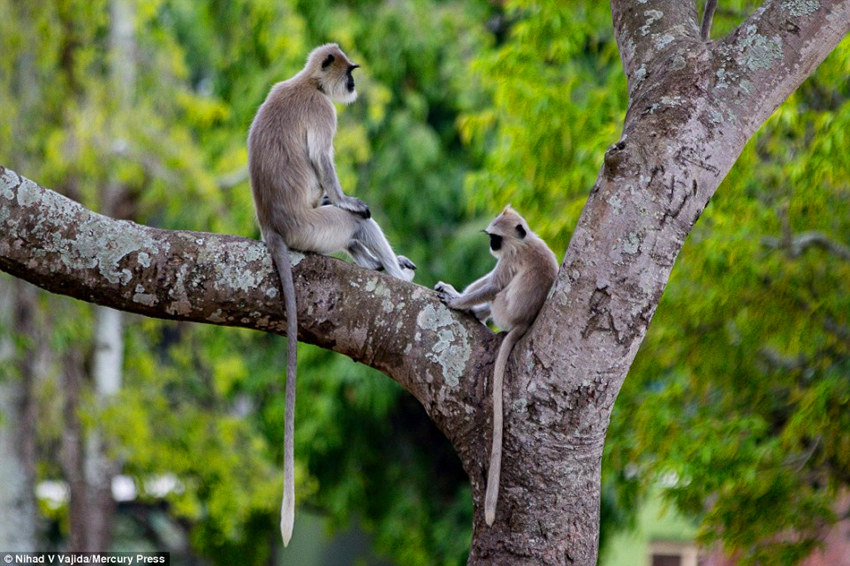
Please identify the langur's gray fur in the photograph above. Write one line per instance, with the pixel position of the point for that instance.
(512, 295)
(300, 203)
(707, 16)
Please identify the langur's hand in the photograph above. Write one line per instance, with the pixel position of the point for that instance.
(355, 206)
(446, 293)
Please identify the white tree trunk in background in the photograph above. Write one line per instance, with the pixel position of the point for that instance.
(108, 360)
(17, 465)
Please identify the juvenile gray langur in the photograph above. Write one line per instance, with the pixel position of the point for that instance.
(511, 295)
(300, 204)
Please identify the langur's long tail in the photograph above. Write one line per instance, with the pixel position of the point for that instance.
(495, 469)
(280, 255)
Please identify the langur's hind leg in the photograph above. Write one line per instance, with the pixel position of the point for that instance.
(370, 236)
(324, 230)
(406, 264)
(365, 259)
(362, 256)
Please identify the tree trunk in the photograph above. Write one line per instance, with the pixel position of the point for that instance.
(72, 456)
(18, 516)
(692, 109)
(17, 419)
(99, 468)
(693, 105)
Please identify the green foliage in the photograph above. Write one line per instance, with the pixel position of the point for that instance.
(557, 99)
(187, 411)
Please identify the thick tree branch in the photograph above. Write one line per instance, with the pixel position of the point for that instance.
(766, 58)
(687, 123)
(753, 69)
(401, 329)
(647, 32)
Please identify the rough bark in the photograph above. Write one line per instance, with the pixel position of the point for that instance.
(693, 105)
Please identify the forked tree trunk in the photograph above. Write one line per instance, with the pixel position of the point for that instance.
(693, 105)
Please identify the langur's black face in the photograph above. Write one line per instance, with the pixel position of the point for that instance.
(495, 242)
(508, 228)
(335, 73)
(349, 83)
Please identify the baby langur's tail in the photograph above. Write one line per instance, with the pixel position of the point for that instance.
(495, 470)
(280, 255)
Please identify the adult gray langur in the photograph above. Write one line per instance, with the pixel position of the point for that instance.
(300, 203)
